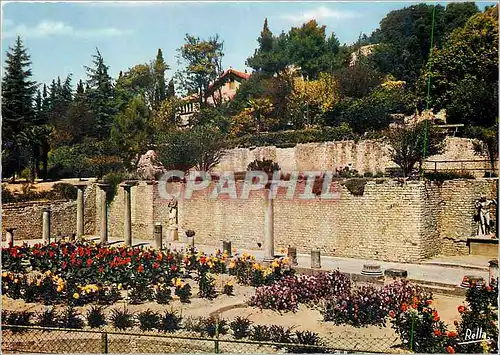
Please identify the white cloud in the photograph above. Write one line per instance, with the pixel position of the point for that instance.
(319, 13)
(59, 28)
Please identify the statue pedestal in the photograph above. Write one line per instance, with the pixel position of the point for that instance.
(173, 233)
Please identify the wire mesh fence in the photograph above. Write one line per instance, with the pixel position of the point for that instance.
(34, 339)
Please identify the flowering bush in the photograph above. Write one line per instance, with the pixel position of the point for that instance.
(361, 307)
(419, 326)
(289, 291)
(249, 272)
(481, 312)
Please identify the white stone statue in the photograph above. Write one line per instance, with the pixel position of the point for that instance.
(482, 215)
(172, 213)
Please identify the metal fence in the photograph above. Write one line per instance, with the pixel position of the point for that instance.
(458, 165)
(34, 339)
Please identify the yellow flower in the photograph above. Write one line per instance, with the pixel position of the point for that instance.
(275, 264)
(178, 283)
(119, 286)
(16, 281)
(59, 288)
(76, 296)
(285, 260)
(5, 274)
(39, 282)
(232, 264)
(229, 283)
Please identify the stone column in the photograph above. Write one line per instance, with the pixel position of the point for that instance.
(158, 235)
(10, 236)
(80, 210)
(268, 227)
(127, 223)
(104, 214)
(46, 225)
(315, 259)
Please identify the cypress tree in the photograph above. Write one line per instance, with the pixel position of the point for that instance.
(18, 111)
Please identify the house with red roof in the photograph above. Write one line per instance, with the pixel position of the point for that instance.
(221, 90)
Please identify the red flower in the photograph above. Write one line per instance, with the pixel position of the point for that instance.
(79, 262)
(159, 257)
(101, 269)
(36, 252)
(156, 265)
(450, 350)
(428, 302)
(64, 265)
(461, 309)
(130, 253)
(88, 251)
(451, 334)
(173, 268)
(392, 314)
(65, 251)
(51, 254)
(437, 332)
(89, 262)
(404, 307)
(140, 268)
(80, 251)
(169, 257)
(436, 316)
(203, 260)
(414, 306)
(436, 319)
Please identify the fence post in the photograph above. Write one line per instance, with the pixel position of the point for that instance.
(435, 166)
(216, 335)
(104, 343)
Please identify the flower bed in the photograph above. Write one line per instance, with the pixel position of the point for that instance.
(83, 272)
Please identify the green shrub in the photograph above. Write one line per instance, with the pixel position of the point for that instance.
(292, 138)
(95, 317)
(148, 320)
(48, 318)
(71, 319)
(122, 319)
(113, 179)
(240, 327)
(170, 322)
(448, 175)
(265, 165)
(356, 186)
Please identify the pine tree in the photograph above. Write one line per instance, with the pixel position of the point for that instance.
(18, 111)
(101, 96)
(159, 68)
(266, 38)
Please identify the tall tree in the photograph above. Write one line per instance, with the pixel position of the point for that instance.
(171, 89)
(464, 73)
(203, 59)
(159, 68)
(130, 131)
(270, 57)
(101, 96)
(18, 111)
(404, 36)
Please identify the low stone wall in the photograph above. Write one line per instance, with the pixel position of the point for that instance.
(364, 156)
(26, 217)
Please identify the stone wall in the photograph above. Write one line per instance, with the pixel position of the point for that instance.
(365, 156)
(391, 221)
(26, 217)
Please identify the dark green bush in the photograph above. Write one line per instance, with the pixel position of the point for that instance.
(292, 138)
(448, 175)
(71, 319)
(48, 318)
(240, 327)
(356, 186)
(148, 320)
(122, 319)
(95, 317)
(170, 322)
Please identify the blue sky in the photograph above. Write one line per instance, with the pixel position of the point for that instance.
(61, 37)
